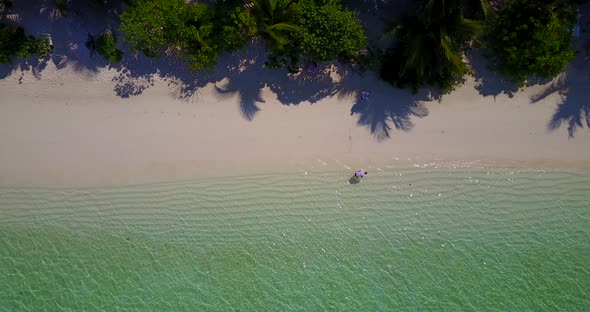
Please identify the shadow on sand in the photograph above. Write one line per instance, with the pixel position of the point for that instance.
(240, 76)
(572, 86)
(488, 81)
(68, 34)
(388, 108)
(243, 77)
(574, 109)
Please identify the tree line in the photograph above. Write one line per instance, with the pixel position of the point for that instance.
(529, 38)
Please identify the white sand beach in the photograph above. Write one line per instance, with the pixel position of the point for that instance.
(62, 129)
(72, 120)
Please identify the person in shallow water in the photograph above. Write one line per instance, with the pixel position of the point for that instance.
(360, 173)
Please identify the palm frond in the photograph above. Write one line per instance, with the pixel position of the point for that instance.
(487, 10)
(279, 38)
(470, 28)
(283, 27)
(392, 32)
(263, 10)
(416, 58)
(452, 55)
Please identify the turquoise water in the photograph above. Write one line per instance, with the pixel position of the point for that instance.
(454, 240)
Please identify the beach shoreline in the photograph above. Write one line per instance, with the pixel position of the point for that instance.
(72, 119)
(60, 130)
(198, 170)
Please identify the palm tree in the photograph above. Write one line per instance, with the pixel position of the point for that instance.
(275, 19)
(479, 9)
(429, 49)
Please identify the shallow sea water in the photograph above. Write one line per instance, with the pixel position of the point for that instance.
(456, 239)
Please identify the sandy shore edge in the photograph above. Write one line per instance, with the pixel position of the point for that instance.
(61, 130)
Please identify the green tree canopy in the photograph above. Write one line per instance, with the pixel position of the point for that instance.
(478, 9)
(234, 25)
(534, 39)
(107, 48)
(327, 30)
(275, 21)
(429, 47)
(152, 26)
(15, 43)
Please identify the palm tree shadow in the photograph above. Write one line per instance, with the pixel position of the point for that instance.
(303, 87)
(574, 109)
(136, 73)
(489, 81)
(234, 75)
(243, 77)
(572, 87)
(377, 116)
(247, 77)
(247, 97)
(388, 108)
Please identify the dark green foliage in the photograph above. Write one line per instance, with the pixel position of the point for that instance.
(197, 44)
(533, 39)
(107, 48)
(199, 33)
(150, 26)
(275, 22)
(478, 10)
(15, 43)
(235, 26)
(321, 30)
(174, 27)
(328, 31)
(429, 47)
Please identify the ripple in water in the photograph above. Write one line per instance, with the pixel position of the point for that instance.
(415, 239)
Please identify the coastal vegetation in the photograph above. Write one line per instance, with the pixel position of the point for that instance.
(529, 39)
(173, 28)
(235, 26)
(275, 24)
(534, 39)
(314, 30)
(430, 46)
(15, 43)
(275, 21)
(107, 48)
(318, 30)
(427, 45)
(329, 31)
